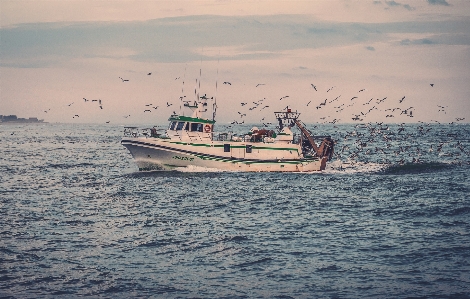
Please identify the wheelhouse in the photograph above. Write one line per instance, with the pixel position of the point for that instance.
(190, 124)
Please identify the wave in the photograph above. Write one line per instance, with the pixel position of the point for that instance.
(252, 263)
(414, 168)
(67, 166)
(459, 211)
(340, 167)
(168, 173)
(334, 167)
(192, 168)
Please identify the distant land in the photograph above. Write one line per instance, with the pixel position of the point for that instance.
(13, 119)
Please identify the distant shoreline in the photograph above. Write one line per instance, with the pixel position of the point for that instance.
(22, 122)
(13, 119)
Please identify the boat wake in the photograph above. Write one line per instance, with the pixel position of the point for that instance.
(340, 167)
(350, 167)
(414, 168)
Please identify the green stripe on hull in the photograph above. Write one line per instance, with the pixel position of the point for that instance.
(255, 162)
(237, 146)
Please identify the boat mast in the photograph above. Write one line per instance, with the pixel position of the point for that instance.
(214, 104)
(199, 84)
(182, 93)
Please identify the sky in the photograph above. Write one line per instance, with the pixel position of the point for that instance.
(341, 61)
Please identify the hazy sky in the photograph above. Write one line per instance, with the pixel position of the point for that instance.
(355, 52)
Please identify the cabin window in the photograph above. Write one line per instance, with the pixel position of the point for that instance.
(196, 127)
(186, 128)
(226, 147)
(180, 126)
(248, 148)
(172, 125)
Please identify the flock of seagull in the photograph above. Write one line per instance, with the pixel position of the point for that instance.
(98, 101)
(338, 105)
(386, 141)
(399, 143)
(380, 139)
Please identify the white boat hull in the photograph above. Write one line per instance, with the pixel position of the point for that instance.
(163, 154)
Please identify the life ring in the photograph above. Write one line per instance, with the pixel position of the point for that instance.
(207, 128)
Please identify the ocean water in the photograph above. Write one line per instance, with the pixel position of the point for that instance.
(388, 218)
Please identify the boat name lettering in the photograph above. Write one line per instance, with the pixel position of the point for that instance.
(183, 158)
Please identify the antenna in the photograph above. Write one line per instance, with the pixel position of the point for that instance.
(214, 105)
(200, 74)
(195, 91)
(182, 92)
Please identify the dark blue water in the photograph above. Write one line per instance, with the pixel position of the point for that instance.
(389, 218)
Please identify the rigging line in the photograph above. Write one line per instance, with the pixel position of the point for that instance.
(182, 92)
(199, 85)
(214, 105)
(200, 74)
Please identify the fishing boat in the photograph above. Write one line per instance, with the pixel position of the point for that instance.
(191, 141)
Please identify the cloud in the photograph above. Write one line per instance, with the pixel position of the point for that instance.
(438, 2)
(392, 3)
(179, 39)
(405, 42)
(422, 41)
(426, 41)
(192, 38)
(406, 6)
(370, 48)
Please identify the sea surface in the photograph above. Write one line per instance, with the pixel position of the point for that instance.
(388, 218)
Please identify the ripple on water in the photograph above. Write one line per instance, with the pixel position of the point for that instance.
(78, 219)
